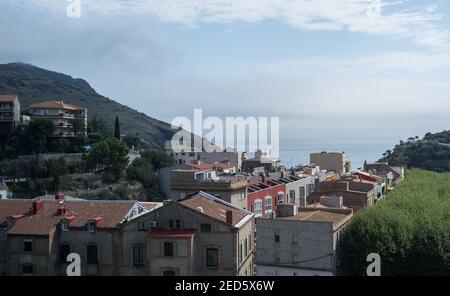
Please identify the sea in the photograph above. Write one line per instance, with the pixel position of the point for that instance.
(296, 152)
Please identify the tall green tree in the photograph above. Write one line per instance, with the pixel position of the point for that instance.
(117, 128)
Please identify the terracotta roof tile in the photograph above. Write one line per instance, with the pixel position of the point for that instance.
(214, 207)
(45, 221)
(56, 105)
(8, 98)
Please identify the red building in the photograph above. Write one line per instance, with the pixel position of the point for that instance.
(263, 197)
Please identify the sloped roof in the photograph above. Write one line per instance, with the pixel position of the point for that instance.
(44, 222)
(8, 98)
(214, 207)
(56, 105)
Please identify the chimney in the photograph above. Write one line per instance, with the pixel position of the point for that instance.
(59, 196)
(61, 210)
(230, 217)
(37, 206)
(263, 179)
(282, 174)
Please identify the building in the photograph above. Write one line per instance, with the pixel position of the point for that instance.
(262, 160)
(199, 235)
(378, 182)
(391, 174)
(9, 113)
(228, 188)
(37, 235)
(280, 188)
(63, 115)
(331, 161)
(356, 195)
(301, 242)
(4, 191)
(221, 168)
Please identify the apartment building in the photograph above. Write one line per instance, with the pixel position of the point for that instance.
(331, 161)
(228, 188)
(9, 113)
(63, 115)
(200, 235)
(301, 242)
(37, 235)
(267, 191)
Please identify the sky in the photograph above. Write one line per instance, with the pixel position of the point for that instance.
(331, 70)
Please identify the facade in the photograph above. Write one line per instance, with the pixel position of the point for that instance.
(300, 242)
(37, 235)
(200, 235)
(9, 113)
(264, 197)
(331, 161)
(62, 115)
(228, 188)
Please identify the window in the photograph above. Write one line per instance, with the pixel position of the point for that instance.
(268, 203)
(168, 249)
(246, 248)
(27, 269)
(92, 226)
(205, 227)
(258, 207)
(212, 258)
(138, 255)
(142, 226)
(64, 251)
(64, 226)
(250, 243)
(292, 196)
(28, 246)
(294, 239)
(302, 196)
(92, 257)
(240, 253)
(280, 197)
(178, 224)
(277, 238)
(170, 223)
(169, 273)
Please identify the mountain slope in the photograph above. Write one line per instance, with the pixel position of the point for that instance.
(34, 85)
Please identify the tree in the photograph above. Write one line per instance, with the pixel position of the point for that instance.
(117, 129)
(132, 140)
(110, 154)
(78, 127)
(158, 158)
(37, 135)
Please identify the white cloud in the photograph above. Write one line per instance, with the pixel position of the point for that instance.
(368, 16)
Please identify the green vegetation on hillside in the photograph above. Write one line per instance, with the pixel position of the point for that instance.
(34, 85)
(429, 153)
(410, 230)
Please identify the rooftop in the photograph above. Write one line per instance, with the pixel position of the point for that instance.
(8, 98)
(56, 105)
(214, 207)
(321, 215)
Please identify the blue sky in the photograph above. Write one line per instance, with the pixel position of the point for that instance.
(328, 68)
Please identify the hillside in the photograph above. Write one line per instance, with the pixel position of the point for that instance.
(410, 230)
(34, 84)
(432, 152)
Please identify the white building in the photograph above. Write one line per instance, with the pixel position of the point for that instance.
(4, 192)
(300, 241)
